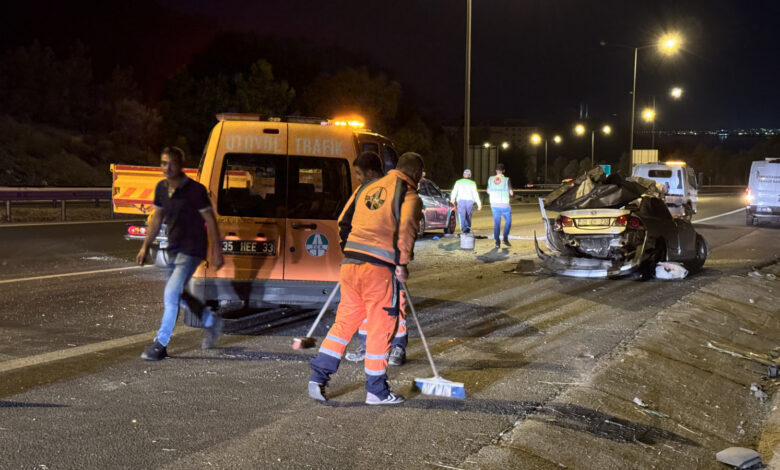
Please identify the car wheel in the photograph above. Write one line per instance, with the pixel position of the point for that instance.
(749, 220)
(190, 318)
(695, 265)
(450, 228)
(421, 229)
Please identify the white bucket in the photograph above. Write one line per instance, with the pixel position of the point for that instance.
(466, 241)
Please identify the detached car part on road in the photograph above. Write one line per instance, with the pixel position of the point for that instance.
(614, 226)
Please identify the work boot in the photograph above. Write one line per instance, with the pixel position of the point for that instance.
(392, 399)
(154, 352)
(506, 242)
(357, 355)
(317, 391)
(397, 356)
(211, 333)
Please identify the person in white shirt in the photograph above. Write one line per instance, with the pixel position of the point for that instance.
(464, 195)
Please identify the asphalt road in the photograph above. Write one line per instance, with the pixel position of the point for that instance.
(74, 394)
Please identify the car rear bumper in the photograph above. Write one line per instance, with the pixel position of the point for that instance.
(230, 294)
(589, 267)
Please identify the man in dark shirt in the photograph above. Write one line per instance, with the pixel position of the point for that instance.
(184, 206)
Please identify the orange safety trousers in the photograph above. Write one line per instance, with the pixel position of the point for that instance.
(368, 292)
(401, 338)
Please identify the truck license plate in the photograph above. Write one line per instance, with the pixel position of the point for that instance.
(248, 247)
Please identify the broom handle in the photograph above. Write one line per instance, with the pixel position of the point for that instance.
(419, 329)
(322, 311)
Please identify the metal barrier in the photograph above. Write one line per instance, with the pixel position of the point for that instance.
(61, 195)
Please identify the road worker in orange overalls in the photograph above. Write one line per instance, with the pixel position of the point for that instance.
(368, 167)
(378, 228)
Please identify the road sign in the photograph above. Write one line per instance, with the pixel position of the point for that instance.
(607, 169)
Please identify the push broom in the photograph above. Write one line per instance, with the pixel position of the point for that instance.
(308, 341)
(435, 385)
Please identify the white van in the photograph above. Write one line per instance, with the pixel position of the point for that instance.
(763, 192)
(679, 179)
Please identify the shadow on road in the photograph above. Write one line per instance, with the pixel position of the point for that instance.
(563, 415)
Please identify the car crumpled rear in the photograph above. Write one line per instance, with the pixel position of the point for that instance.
(597, 233)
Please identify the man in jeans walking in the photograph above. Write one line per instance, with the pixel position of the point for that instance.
(184, 205)
(500, 191)
(464, 195)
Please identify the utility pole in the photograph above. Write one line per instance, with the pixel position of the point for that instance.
(467, 113)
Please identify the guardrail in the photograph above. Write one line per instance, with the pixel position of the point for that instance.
(55, 195)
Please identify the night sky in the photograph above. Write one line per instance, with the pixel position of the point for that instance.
(539, 61)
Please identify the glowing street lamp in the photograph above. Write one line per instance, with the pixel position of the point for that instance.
(668, 44)
(536, 139)
(579, 129)
(648, 114)
(676, 92)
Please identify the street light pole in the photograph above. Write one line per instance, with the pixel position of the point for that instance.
(633, 107)
(652, 134)
(467, 112)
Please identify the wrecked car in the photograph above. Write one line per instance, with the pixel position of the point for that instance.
(610, 226)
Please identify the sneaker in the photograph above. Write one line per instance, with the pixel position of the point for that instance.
(397, 356)
(211, 333)
(498, 245)
(154, 352)
(506, 242)
(357, 355)
(392, 399)
(317, 391)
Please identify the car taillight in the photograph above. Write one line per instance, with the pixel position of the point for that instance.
(565, 221)
(628, 221)
(748, 195)
(136, 230)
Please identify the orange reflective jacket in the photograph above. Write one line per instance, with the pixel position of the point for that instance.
(381, 219)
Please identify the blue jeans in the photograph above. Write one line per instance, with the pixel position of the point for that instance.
(180, 270)
(506, 213)
(465, 210)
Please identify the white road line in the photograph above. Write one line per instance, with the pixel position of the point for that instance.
(741, 209)
(82, 273)
(79, 351)
(74, 222)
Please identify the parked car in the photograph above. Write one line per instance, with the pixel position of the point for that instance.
(611, 227)
(438, 211)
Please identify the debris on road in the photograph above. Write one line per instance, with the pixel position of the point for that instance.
(668, 270)
(739, 457)
(758, 392)
(639, 402)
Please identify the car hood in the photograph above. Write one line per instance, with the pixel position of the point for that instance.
(595, 190)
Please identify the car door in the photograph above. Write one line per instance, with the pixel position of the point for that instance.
(250, 187)
(442, 208)
(318, 188)
(429, 205)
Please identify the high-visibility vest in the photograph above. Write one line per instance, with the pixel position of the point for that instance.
(381, 220)
(499, 191)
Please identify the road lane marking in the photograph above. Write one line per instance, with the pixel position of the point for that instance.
(69, 353)
(80, 273)
(719, 215)
(74, 222)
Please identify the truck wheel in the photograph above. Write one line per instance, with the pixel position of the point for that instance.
(450, 228)
(694, 266)
(687, 212)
